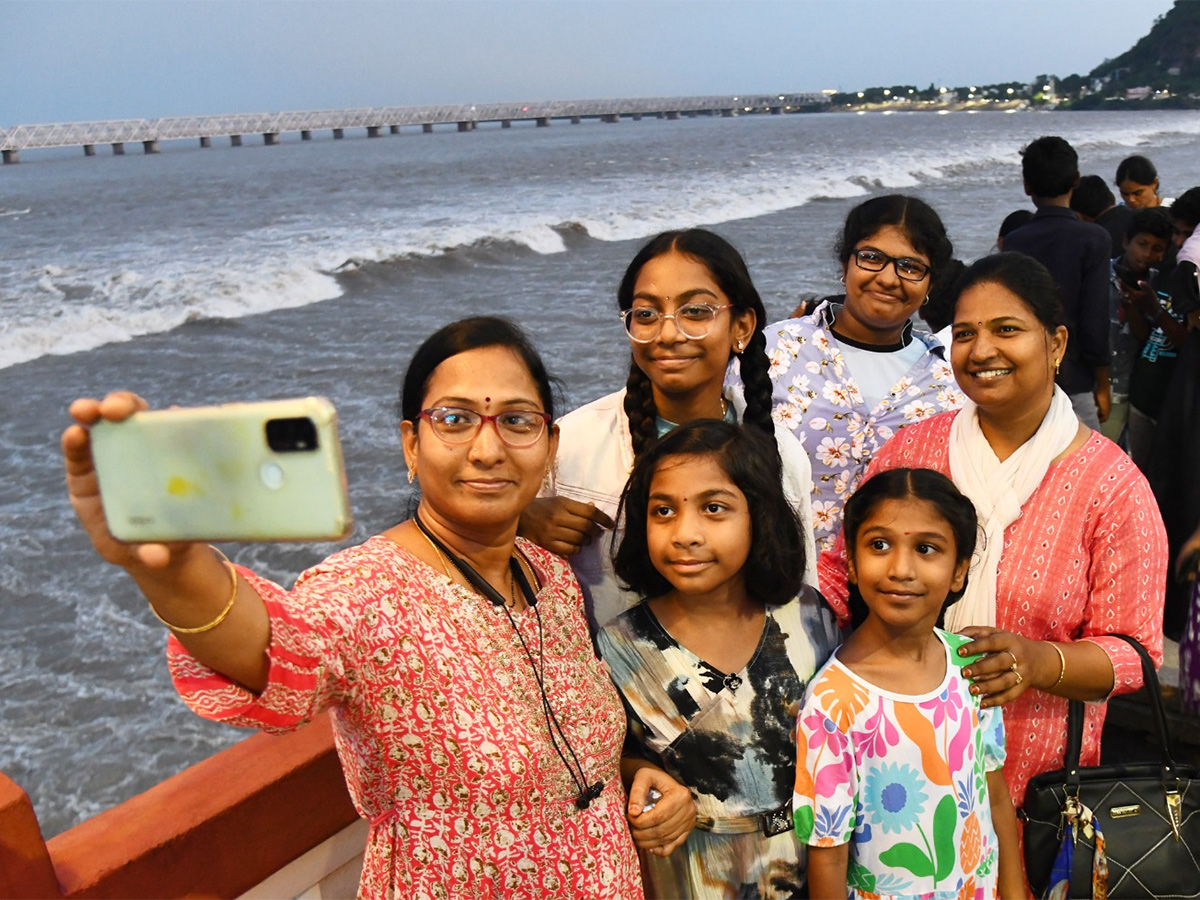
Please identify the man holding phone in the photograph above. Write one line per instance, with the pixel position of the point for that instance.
(1132, 273)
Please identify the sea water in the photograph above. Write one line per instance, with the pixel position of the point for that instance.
(211, 275)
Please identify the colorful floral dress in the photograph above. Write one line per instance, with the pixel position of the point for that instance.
(817, 397)
(440, 726)
(1086, 558)
(903, 779)
(730, 738)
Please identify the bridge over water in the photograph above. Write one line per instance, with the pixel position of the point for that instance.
(378, 120)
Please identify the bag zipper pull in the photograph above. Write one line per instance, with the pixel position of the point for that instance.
(1175, 812)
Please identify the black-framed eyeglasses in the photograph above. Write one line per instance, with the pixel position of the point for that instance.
(906, 267)
(693, 320)
(516, 427)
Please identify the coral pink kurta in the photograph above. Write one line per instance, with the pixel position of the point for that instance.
(440, 728)
(1087, 557)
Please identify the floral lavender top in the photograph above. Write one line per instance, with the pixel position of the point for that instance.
(818, 398)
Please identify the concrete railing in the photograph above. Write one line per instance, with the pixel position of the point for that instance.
(222, 828)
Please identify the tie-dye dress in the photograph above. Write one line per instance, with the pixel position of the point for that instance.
(903, 779)
(730, 737)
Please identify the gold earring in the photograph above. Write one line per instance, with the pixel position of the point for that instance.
(1057, 365)
(412, 474)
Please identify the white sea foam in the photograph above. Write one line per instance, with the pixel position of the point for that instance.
(130, 304)
(70, 299)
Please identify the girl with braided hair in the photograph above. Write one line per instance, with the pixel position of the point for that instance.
(693, 316)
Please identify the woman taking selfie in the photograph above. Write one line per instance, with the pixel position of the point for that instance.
(1073, 548)
(849, 375)
(478, 732)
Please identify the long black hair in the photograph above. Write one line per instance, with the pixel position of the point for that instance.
(729, 271)
(750, 459)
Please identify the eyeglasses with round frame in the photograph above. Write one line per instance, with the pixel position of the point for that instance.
(906, 267)
(515, 427)
(693, 320)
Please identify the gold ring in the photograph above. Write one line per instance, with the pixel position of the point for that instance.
(1018, 674)
(1014, 659)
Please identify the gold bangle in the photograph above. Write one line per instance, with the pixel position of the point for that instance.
(1062, 665)
(221, 616)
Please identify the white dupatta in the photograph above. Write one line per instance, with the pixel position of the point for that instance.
(1190, 252)
(999, 490)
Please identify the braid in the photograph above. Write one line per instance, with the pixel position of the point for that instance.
(757, 383)
(640, 410)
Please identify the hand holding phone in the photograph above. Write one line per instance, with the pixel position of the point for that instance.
(243, 471)
(1125, 276)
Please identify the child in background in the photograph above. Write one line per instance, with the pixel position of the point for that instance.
(712, 664)
(899, 791)
(1134, 273)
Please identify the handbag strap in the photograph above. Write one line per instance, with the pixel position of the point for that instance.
(1150, 682)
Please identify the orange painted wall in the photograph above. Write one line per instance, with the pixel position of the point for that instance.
(215, 830)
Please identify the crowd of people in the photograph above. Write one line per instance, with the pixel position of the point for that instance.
(796, 612)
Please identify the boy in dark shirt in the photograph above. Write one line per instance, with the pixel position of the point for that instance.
(1165, 313)
(1133, 272)
(1077, 255)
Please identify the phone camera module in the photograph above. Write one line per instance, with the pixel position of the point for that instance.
(294, 435)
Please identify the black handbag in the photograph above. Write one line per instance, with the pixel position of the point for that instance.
(1148, 813)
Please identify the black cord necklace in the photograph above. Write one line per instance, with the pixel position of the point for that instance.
(587, 793)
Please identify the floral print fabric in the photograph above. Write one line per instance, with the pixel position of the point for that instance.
(440, 727)
(904, 780)
(727, 736)
(817, 397)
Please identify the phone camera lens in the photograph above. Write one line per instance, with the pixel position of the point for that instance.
(294, 435)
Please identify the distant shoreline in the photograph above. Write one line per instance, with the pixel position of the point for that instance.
(985, 105)
(938, 106)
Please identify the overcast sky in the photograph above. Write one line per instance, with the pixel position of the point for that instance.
(98, 59)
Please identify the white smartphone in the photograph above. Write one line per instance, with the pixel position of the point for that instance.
(268, 471)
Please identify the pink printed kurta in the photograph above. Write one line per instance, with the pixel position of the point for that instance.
(1087, 557)
(440, 728)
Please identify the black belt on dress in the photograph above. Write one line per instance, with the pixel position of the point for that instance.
(776, 821)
